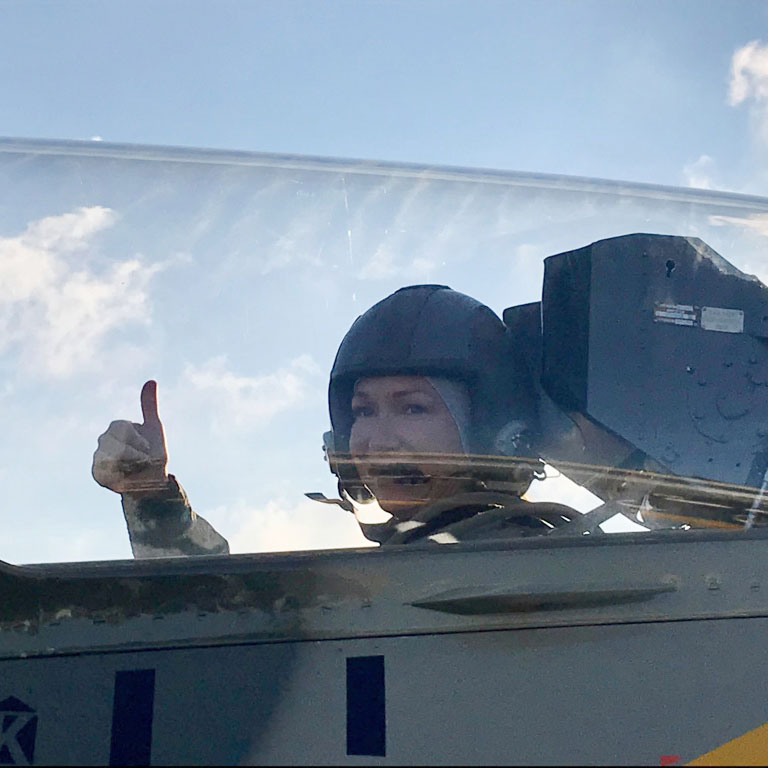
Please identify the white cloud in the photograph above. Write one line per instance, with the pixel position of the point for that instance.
(380, 266)
(529, 255)
(60, 302)
(283, 526)
(749, 73)
(242, 402)
(749, 83)
(757, 222)
(753, 263)
(69, 231)
(699, 173)
(384, 263)
(415, 240)
(297, 239)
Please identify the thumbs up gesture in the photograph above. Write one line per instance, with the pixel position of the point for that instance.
(131, 458)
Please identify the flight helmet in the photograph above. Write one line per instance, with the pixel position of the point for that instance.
(434, 331)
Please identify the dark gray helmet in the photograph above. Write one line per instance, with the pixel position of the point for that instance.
(431, 330)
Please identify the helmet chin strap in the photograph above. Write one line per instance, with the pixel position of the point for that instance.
(455, 395)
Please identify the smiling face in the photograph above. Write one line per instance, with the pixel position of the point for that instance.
(403, 414)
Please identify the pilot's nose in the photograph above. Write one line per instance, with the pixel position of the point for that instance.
(383, 436)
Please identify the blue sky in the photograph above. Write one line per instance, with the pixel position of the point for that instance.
(606, 88)
(127, 270)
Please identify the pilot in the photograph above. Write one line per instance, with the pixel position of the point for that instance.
(429, 401)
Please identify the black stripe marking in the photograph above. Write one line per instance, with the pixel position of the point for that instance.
(366, 706)
(132, 717)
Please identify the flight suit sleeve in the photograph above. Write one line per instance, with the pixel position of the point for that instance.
(165, 525)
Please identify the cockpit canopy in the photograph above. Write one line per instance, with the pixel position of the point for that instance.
(635, 366)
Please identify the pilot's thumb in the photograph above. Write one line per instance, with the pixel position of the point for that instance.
(152, 428)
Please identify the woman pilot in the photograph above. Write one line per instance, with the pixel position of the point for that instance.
(427, 397)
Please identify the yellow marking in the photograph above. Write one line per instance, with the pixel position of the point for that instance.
(749, 749)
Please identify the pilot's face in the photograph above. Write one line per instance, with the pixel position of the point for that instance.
(403, 414)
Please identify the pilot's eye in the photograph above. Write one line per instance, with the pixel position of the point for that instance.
(415, 409)
(361, 411)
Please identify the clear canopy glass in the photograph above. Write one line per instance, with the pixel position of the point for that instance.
(231, 279)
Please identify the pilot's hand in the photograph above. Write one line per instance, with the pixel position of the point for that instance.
(131, 458)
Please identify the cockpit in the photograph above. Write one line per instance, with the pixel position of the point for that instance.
(593, 352)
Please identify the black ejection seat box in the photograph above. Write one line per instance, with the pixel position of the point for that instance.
(663, 342)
